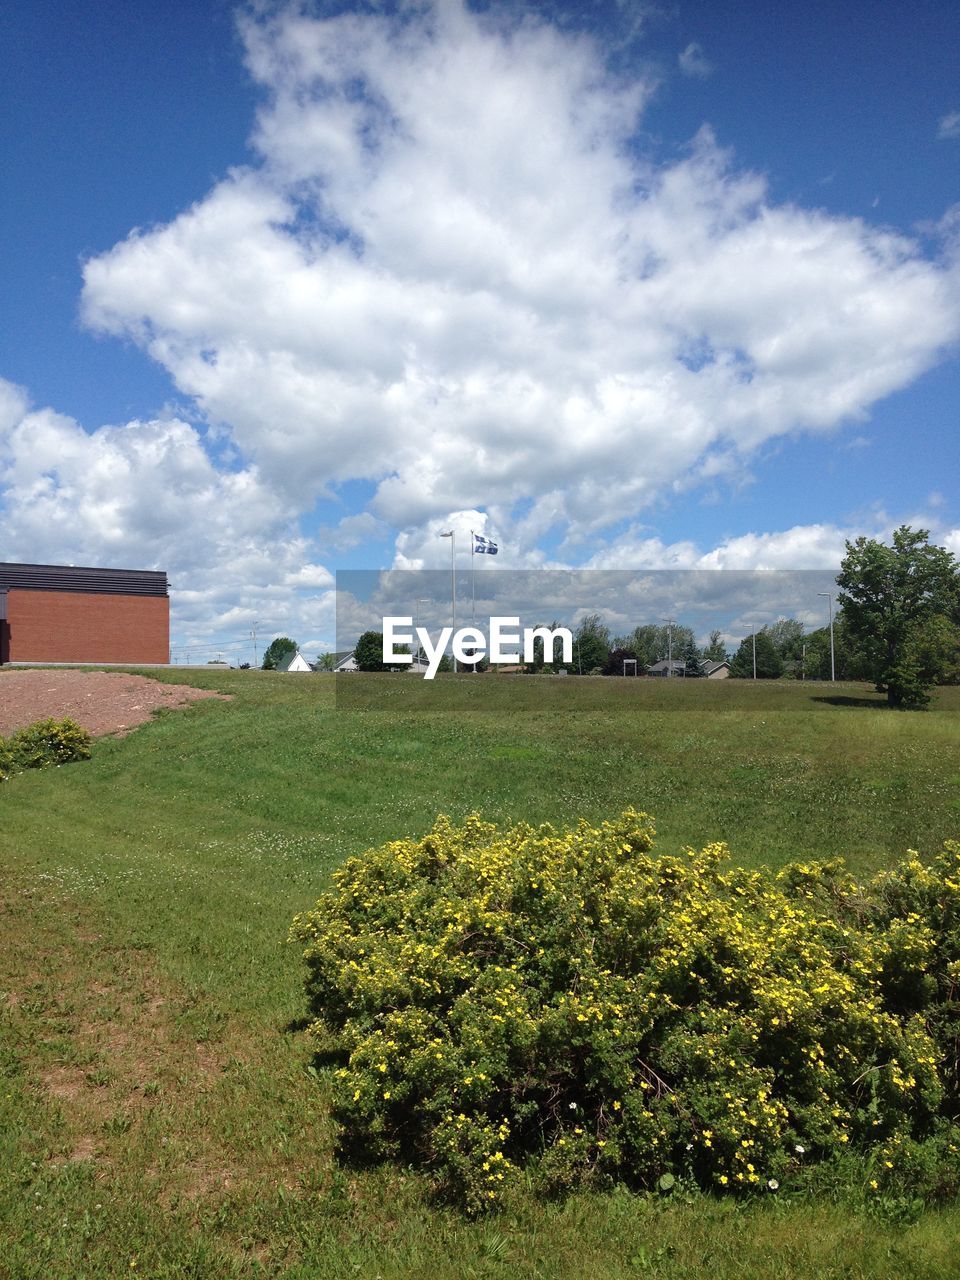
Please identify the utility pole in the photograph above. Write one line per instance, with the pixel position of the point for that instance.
(833, 669)
(754, 639)
(254, 634)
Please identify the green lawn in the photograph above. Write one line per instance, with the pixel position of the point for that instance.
(157, 1115)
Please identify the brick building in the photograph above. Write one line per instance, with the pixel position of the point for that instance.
(52, 613)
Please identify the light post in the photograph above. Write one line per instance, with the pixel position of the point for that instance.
(833, 669)
(421, 600)
(754, 639)
(452, 535)
(669, 622)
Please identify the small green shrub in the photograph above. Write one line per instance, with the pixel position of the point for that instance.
(7, 762)
(48, 742)
(567, 1005)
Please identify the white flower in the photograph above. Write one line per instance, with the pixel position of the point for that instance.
(573, 1106)
(773, 1184)
(799, 1149)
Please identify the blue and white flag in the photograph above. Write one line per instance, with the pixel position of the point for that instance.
(484, 546)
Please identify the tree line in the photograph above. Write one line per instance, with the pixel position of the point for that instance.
(897, 625)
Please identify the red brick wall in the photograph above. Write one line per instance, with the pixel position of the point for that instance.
(80, 626)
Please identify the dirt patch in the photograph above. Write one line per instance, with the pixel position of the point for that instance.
(64, 1083)
(101, 701)
(82, 1150)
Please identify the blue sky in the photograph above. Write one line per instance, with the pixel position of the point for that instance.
(624, 285)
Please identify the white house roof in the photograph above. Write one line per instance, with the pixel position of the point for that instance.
(294, 662)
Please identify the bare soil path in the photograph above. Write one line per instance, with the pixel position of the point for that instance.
(101, 701)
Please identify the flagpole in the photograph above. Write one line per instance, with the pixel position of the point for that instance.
(452, 535)
(473, 593)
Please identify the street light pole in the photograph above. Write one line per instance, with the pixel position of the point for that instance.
(669, 622)
(420, 600)
(452, 535)
(754, 639)
(833, 669)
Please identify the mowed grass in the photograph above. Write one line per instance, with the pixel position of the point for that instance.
(158, 1115)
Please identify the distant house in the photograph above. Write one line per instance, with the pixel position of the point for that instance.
(344, 661)
(716, 670)
(664, 668)
(293, 662)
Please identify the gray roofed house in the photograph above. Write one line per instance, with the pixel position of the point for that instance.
(661, 668)
(716, 670)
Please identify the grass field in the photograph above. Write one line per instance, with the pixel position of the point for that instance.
(158, 1115)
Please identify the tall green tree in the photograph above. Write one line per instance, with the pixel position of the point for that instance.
(716, 650)
(368, 652)
(652, 642)
(540, 662)
(769, 662)
(936, 649)
(276, 651)
(644, 643)
(888, 597)
(787, 637)
(591, 643)
(692, 660)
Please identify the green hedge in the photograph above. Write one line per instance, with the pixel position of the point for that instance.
(46, 743)
(567, 1006)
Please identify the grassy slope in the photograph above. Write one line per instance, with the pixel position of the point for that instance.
(146, 1066)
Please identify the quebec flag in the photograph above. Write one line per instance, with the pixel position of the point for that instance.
(483, 546)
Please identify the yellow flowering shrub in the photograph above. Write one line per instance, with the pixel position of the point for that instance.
(40, 745)
(570, 1005)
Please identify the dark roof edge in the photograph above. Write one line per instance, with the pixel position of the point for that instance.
(58, 577)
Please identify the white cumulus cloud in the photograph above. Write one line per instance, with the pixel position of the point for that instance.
(149, 495)
(455, 273)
